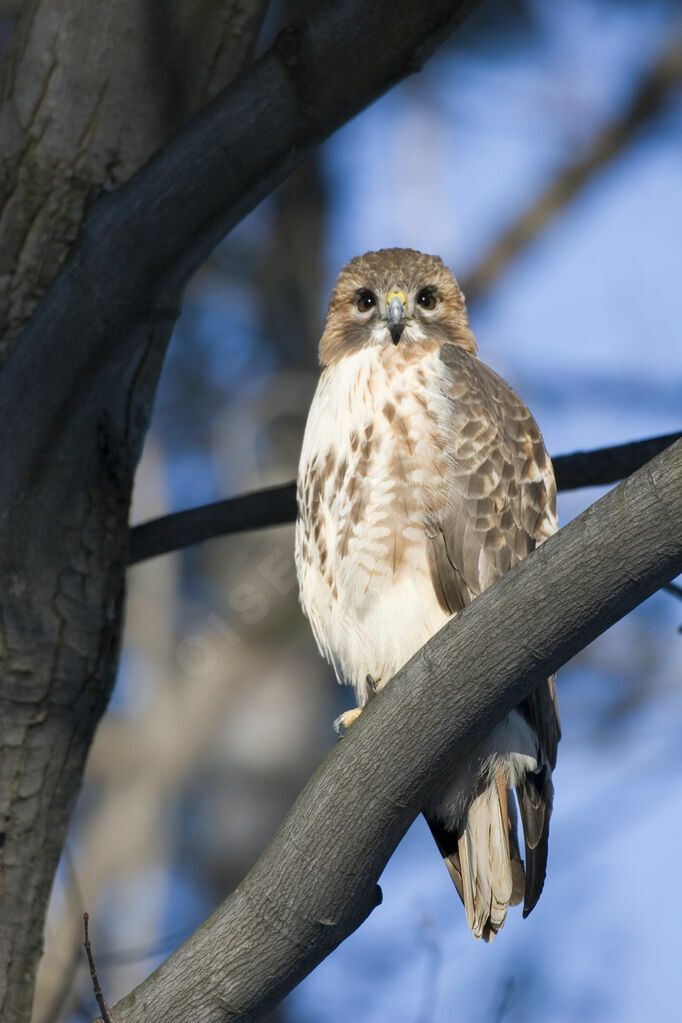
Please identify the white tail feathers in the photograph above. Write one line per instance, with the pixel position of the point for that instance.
(485, 863)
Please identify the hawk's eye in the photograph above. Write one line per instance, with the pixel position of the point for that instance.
(427, 298)
(364, 301)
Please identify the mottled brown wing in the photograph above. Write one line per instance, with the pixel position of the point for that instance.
(500, 493)
(500, 503)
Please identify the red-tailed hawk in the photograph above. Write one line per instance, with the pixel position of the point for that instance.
(423, 479)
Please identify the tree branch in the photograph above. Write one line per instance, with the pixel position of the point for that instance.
(607, 465)
(275, 506)
(317, 880)
(649, 98)
(99, 996)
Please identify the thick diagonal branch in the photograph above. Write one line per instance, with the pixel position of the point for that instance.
(316, 882)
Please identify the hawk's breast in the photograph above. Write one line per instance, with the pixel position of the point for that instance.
(371, 479)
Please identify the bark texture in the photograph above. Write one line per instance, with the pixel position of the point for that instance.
(87, 93)
(317, 881)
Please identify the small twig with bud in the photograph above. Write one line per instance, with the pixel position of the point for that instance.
(104, 1009)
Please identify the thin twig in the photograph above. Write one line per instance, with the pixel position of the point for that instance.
(103, 1007)
(276, 506)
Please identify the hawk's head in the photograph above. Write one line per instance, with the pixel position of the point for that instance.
(394, 297)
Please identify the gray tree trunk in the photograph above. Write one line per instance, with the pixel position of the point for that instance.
(87, 93)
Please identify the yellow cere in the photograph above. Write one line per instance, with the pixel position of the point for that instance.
(396, 294)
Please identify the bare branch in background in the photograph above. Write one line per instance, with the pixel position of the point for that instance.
(317, 880)
(607, 465)
(273, 506)
(648, 100)
(276, 506)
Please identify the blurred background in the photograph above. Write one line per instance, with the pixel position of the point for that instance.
(539, 153)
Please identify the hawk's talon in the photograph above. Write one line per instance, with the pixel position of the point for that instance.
(345, 720)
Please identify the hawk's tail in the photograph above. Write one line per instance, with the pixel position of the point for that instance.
(484, 859)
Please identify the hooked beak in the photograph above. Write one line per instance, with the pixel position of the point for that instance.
(396, 314)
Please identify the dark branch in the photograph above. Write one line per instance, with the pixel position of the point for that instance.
(273, 506)
(316, 882)
(607, 465)
(103, 1007)
(276, 506)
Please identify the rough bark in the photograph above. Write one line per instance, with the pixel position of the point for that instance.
(77, 383)
(83, 103)
(317, 880)
(87, 93)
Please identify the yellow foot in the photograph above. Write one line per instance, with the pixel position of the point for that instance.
(345, 720)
